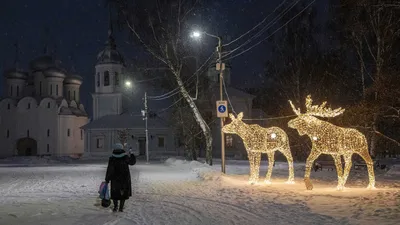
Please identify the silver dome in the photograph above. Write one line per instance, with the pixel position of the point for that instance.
(16, 74)
(54, 72)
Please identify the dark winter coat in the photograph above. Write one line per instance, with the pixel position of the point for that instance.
(119, 175)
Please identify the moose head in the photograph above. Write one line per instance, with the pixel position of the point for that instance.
(303, 120)
(233, 127)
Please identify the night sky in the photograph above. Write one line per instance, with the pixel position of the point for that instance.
(76, 31)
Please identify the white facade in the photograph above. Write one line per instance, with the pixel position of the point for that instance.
(35, 117)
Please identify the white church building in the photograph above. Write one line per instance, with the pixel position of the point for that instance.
(40, 111)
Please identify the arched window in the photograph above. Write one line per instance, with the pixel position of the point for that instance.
(8, 133)
(69, 95)
(68, 132)
(11, 90)
(27, 133)
(56, 89)
(81, 134)
(40, 88)
(98, 79)
(48, 148)
(8, 106)
(116, 79)
(51, 89)
(74, 96)
(106, 78)
(29, 105)
(48, 105)
(17, 91)
(48, 132)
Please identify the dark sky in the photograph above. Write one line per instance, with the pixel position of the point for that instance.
(77, 30)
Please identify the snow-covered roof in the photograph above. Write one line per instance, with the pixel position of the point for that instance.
(125, 121)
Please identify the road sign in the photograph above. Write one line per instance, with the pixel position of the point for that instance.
(222, 109)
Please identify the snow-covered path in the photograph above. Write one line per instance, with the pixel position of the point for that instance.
(171, 194)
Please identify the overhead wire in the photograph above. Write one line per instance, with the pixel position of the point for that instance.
(269, 25)
(257, 25)
(272, 33)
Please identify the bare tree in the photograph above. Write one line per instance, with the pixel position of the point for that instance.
(159, 26)
(123, 135)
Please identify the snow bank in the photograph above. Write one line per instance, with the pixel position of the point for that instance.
(394, 170)
(28, 160)
(203, 170)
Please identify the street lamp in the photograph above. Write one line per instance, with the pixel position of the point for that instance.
(128, 84)
(197, 35)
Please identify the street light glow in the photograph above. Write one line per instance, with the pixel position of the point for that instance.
(128, 84)
(196, 34)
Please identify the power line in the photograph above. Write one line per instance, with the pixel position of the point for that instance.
(173, 92)
(262, 21)
(269, 25)
(270, 34)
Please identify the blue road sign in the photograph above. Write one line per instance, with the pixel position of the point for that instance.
(221, 109)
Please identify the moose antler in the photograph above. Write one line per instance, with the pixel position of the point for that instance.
(297, 111)
(320, 110)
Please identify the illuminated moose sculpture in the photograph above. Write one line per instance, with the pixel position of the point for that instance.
(329, 139)
(259, 140)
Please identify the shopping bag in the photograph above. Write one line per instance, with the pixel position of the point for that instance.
(104, 195)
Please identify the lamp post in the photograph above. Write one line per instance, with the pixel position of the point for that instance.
(220, 67)
(128, 84)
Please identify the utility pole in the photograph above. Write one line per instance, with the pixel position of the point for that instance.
(145, 115)
(221, 77)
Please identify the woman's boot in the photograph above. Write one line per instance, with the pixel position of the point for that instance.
(115, 205)
(121, 205)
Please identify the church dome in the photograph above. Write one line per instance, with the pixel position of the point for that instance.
(41, 63)
(16, 74)
(54, 72)
(73, 79)
(110, 54)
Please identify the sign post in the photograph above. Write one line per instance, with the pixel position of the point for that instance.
(222, 112)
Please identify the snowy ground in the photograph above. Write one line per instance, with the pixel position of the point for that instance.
(179, 192)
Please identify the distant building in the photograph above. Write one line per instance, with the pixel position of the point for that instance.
(117, 107)
(40, 111)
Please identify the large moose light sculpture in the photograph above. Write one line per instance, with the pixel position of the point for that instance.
(329, 139)
(259, 140)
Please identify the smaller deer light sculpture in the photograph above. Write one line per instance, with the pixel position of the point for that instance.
(259, 140)
(327, 138)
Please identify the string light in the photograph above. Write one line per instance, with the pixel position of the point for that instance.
(258, 140)
(330, 139)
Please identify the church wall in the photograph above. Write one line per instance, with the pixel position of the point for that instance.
(70, 136)
(7, 123)
(47, 126)
(107, 104)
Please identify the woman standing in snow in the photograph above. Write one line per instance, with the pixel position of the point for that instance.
(119, 175)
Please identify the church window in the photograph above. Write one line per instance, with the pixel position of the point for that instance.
(51, 89)
(40, 88)
(27, 133)
(99, 142)
(29, 106)
(56, 89)
(68, 132)
(48, 148)
(98, 79)
(161, 142)
(48, 132)
(116, 79)
(8, 133)
(229, 141)
(8, 106)
(48, 105)
(74, 95)
(81, 134)
(11, 91)
(69, 95)
(106, 78)
(17, 91)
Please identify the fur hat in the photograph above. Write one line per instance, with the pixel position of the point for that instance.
(118, 146)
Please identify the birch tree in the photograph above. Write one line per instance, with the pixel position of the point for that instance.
(161, 28)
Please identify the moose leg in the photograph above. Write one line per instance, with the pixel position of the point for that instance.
(310, 161)
(347, 168)
(271, 160)
(370, 166)
(286, 152)
(339, 170)
(254, 159)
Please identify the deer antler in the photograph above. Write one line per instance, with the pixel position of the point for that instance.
(320, 110)
(297, 111)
